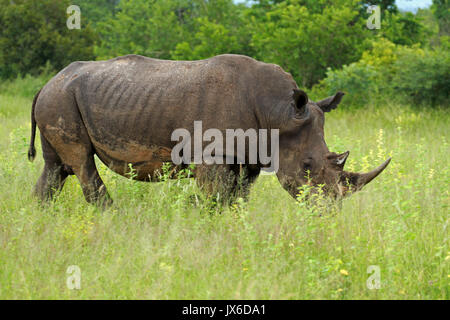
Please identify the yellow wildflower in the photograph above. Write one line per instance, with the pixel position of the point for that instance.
(344, 272)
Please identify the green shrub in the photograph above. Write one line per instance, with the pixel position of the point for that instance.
(26, 86)
(424, 79)
(356, 79)
(389, 71)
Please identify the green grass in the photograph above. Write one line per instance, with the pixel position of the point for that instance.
(155, 242)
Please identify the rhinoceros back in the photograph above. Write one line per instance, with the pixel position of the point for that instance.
(134, 98)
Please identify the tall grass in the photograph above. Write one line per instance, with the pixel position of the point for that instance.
(160, 241)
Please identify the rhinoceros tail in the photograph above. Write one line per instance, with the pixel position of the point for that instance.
(32, 150)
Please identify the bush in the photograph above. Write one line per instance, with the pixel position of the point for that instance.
(356, 79)
(419, 76)
(424, 79)
(26, 86)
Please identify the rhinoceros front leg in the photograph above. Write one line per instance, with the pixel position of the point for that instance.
(225, 182)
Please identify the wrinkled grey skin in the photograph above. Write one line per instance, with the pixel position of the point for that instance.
(124, 110)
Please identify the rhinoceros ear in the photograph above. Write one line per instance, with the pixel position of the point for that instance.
(300, 98)
(330, 103)
(341, 158)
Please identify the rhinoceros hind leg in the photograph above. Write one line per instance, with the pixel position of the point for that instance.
(94, 189)
(53, 176)
(76, 155)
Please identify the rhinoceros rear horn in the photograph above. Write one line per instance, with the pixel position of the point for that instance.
(359, 180)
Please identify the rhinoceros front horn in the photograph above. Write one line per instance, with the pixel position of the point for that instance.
(365, 178)
(359, 180)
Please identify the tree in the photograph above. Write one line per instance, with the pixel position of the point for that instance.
(216, 27)
(95, 11)
(142, 27)
(441, 10)
(210, 40)
(385, 5)
(306, 43)
(34, 32)
(404, 28)
(178, 29)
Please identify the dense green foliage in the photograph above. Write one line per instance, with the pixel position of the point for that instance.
(34, 33)
(441, 9)
(305, 42)
(405, 74)
(311, 39)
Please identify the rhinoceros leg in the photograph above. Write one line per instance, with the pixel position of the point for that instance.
(92, 185)
(225, 182)
(79, 156)
(63, 129)
(53, 176)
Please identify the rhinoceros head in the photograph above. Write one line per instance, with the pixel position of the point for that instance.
(304, 156)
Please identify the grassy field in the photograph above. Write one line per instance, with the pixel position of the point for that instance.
(155, 242)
